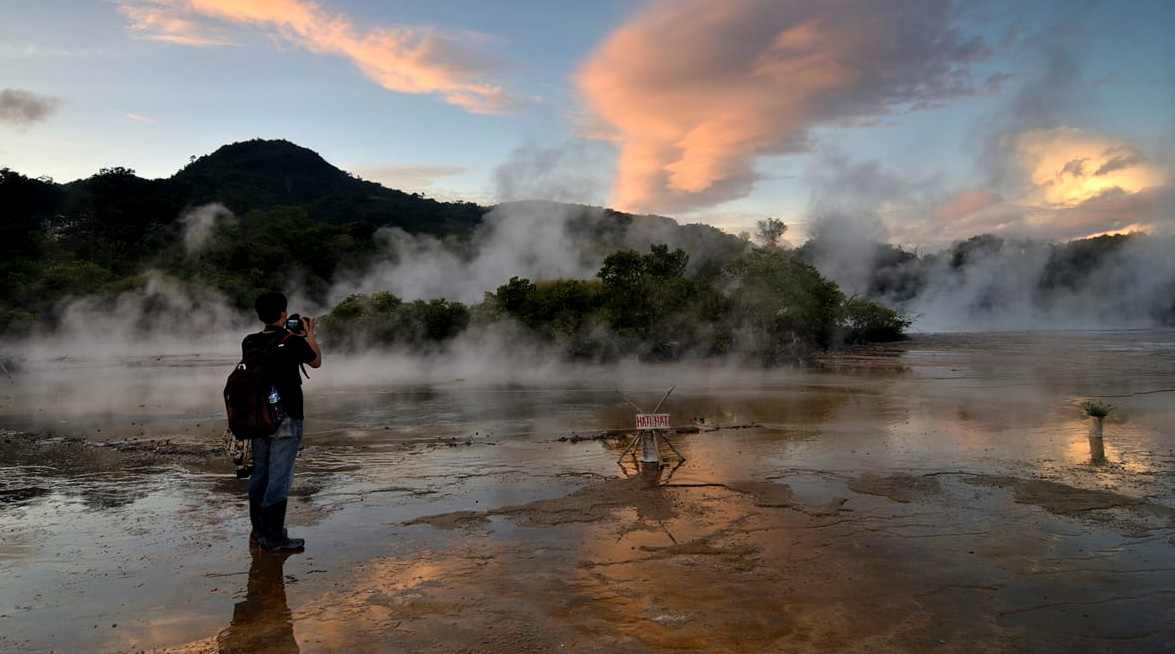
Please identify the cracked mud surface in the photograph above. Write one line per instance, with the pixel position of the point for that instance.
(900, 502)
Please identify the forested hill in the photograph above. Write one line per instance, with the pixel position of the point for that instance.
(246, 176)
(262, 174)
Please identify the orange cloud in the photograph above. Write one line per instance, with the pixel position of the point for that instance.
(1073, 184)
(1149, 210)
(693, 91)
(963, 204)
(1084, 184)
(1069, 166)
(404, 59)
(160, 22)
(960, 216)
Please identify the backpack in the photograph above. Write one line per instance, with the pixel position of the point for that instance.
(246, 394)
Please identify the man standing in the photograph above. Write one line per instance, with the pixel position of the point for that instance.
(273, 456)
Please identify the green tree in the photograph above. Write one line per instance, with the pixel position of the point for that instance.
(119, 221)
(866, 321)
(769, 231)
(516, 298)
(779, 307)
(1071, 264)
(27, 209)
(382, 319)
(561, 311)
(974, 249)
(269, 249)
(74, 278)
(641, 292)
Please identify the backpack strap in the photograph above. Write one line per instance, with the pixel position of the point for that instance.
(274, 346)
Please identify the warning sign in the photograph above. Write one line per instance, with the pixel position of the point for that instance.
(652, 421)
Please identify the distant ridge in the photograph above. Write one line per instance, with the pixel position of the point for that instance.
(263, 174)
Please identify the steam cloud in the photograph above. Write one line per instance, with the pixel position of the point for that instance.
(998, 292)
(529, 240)
(23, 108)
(198, 223)
(559, 174)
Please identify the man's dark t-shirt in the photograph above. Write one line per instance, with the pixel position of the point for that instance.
(287, 356)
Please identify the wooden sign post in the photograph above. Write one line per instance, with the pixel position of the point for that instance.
(651, 428)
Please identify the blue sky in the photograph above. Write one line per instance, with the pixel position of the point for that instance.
(916, 121)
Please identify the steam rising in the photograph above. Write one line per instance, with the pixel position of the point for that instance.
(106, 356)
(198, 223)
(999, 293)
(566, 173)
(527, 240)
(164, 317)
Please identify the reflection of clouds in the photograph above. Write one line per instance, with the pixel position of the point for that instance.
(1129, 448)
(385, 594)
(774, 404)
(631, 560)
(549, 584)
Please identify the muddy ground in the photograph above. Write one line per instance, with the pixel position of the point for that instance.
(935, 496)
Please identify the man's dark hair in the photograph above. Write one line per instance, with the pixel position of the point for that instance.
(270, 306)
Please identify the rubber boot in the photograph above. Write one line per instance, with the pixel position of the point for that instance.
(274, 538)
(255, 521)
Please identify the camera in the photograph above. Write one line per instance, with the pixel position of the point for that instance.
(295, 324)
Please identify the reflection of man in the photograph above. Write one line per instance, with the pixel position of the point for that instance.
(261, 622)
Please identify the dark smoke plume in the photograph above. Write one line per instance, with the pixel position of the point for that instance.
(23, 108)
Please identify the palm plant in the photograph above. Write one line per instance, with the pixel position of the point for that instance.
(1098, 411)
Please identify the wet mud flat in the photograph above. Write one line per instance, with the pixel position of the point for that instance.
(932, 497)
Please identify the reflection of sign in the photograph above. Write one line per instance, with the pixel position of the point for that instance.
(652, 421)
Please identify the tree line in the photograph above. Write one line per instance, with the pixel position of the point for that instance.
(765, 306)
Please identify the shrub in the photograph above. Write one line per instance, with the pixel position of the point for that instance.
(866, 321)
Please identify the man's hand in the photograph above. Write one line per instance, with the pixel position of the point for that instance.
(310, 322)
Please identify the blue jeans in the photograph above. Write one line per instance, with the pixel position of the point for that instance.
(273, 463)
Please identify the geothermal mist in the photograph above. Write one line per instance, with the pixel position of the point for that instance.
(167, 348)
(1000, 291)
(538, 241)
